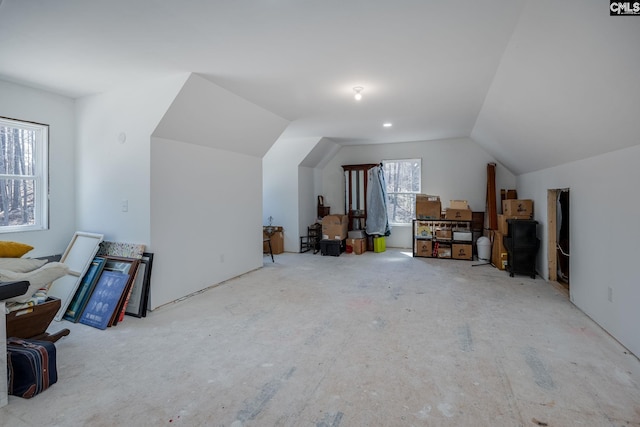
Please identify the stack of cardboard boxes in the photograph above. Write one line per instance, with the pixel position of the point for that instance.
(459, 210)
(442, 239)
(334, 233)
(337, 239)
(511, 209)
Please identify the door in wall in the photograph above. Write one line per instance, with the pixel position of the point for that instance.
(559, 250)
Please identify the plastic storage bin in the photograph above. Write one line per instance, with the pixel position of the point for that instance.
(484, 248)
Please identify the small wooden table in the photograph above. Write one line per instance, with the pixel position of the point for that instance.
(268, 241)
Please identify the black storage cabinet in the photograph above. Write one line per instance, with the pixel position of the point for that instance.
(522, 246)
(332, 247)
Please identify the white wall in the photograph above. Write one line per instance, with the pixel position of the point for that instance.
(24, 103)
(307, 199)
(205, 217)
(451, 169)
(281, 187)
(603, 234)
(203, 109)
(110, 171)
(206, 189)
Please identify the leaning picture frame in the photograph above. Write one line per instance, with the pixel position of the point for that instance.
(128, 266)
(137, 306)
(84, 291)
(105, 299)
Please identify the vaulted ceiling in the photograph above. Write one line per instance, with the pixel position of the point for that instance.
(537, 83)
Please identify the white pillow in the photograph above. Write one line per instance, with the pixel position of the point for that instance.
(21, 265)
(37, 278)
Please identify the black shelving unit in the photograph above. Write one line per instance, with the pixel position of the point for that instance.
(442, 238)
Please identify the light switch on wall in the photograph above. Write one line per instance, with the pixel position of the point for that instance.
(125, 205)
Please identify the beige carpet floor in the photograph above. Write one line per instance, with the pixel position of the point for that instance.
(357, 340)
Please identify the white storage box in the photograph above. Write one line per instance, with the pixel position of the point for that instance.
(463, 236)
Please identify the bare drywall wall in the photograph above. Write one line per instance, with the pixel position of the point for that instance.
(205, 217)
(307, 200)
(603, 237)
(452, 169)
(566, 87)
(281, 186)
(25, 103)
(203, 108)
(114, 132)
(206, 189)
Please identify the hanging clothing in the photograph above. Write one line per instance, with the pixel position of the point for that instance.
(377, 218)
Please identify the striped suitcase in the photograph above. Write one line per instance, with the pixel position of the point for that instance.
(31, 366)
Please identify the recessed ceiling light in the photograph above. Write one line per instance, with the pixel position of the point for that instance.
(387, 125)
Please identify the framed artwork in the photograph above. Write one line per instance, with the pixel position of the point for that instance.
(87, 285)
(138, 300)
(129, 267)
(126, 250)
(105, 299)
(78, 256)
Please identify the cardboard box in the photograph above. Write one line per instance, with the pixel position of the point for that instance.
(477, 221)
(499, 253)
(458, 214)
(508, 194)
(462, 251)
(503, 226)
(359, 246)
(356, 234)
(443, 234)
(444, 251)
(517, 207)
(277, 240)
(379, 244)
(334, 227)
(428, 207)
(458, 204)
(423, 248)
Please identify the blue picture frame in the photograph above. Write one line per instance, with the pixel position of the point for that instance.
(82, 295)
(105, 299)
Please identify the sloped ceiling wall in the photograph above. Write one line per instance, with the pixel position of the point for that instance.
(567, 87)
(208, 115)
(323, 151)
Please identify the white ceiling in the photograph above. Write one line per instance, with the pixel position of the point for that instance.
(535, 82)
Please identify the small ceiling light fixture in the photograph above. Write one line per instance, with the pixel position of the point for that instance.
(387, 125)
(357, 90)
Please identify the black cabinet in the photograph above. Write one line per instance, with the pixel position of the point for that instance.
(522, 246)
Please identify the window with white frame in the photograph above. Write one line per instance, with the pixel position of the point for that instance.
(23, 175)
(403, 179)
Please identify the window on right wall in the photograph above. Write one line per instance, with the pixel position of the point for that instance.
(403, 181)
